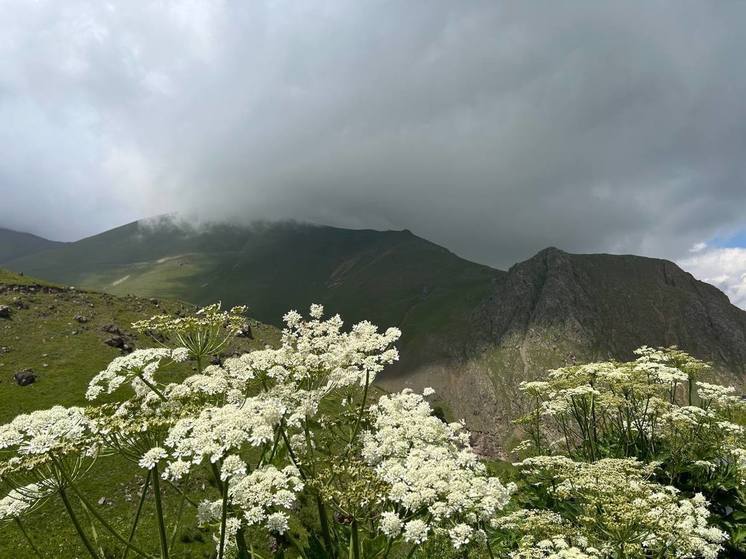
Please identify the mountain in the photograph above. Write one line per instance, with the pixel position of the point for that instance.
(389, 277)
(557, 308)
(581, 306)
(15, 245)
(470, 331)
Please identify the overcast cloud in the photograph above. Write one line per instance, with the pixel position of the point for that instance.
(493, 128)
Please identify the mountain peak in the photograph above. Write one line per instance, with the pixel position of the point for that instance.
(606, 305)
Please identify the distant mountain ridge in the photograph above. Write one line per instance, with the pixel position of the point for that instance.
(14, 244)
(470, 331)
(390, 277)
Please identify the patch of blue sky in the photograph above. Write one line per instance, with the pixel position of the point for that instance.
(737, 240)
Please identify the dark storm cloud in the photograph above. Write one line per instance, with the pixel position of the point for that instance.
(494, 128)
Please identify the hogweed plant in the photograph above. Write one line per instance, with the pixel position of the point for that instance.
(608, 508)
(656, 409)
(301, 462)
(203, 334)
(286, 452)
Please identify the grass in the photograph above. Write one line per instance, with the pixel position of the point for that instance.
(44, 335)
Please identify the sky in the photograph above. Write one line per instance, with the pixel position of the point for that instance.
(493, 128)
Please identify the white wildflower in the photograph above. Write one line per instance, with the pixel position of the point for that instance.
(390, 524)
(415, 531)
(151, 458)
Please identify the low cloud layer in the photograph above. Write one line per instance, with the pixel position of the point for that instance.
(495, 129)
(722, 267)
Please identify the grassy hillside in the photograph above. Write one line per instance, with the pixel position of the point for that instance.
(15, 245)
(390, 277)
(43, 334)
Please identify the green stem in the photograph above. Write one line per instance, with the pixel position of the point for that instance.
(325, 534)
(360, 414)
(137, 514)
(28, 538)
(290, 450)
(297, 545)
(216, 474)
(152, 386)
(243, 552)
(223, 520)
(104, 522)
(489, 548)
(354, 541)
(388, 548)
(159, 513)
(78, 527)
(179, 514)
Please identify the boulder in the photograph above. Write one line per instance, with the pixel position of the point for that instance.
(245, 331)
(24, 378)
(111, 329)
(4, 311)
(116, 341)
(81, 319)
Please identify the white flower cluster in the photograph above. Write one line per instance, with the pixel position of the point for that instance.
(317, 353)
(20, 501)
(615, 504)
(151, 458)
(142, 363)
(556, 547)
(40, 436)
(430, 469)
(266, 495)
(719, 396)
(218, 431)
(739, 457)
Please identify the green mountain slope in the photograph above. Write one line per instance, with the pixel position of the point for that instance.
(390, 278)
(14, 244)
(60, 335)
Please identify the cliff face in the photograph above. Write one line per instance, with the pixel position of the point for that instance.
(602, 306)
(556, 309)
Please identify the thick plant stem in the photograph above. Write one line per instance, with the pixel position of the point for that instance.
(105, 524)
(153, 387)
(179, 514)
(159, 513)
(137, 514)
(324, 520)
(489, 548)
(360, 414)
(243, 552)
(78, 527)
(223, 520)
(28, 538)
(354, 541)
(389, 544)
